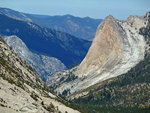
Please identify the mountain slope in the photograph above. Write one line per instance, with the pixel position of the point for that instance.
(15, 14)
(117, 47)
(80, 27)
(21, 89)
(43, 65)
(70, 50)
(126, 93)
(129, 92)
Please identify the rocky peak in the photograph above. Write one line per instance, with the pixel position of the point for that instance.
(113, 41)
(116, 48)
(108, 20)
(106, 46)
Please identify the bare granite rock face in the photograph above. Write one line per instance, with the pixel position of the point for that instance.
(22, 90)
(44, 65)
(105, 49)
(116, 48)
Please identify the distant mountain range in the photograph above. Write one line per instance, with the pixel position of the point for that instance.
(79, 27)
(65, 47)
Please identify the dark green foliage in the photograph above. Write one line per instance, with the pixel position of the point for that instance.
(3, 105)
(70, 104)
(50, 108)
(64, 79)
(42, 103)
(34, 96)
(70, 77)
(130, 89)
(118, 109)
(66, 92)
(146, 31)
(61, 79)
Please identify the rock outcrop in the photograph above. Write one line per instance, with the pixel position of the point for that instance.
(44, 65)
(116, 48)
(21, 89)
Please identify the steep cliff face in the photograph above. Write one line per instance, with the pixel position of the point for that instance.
(21, 89)
(126, 93)
(105, 49)
(116, 48)
(44, 65)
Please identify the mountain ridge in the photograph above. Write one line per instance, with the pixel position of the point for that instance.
(46, 41)
(120, 56)
(83, 28)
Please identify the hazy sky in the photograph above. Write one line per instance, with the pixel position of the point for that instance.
(120, 9)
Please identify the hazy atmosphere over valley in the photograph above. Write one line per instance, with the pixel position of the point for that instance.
(82, 56)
